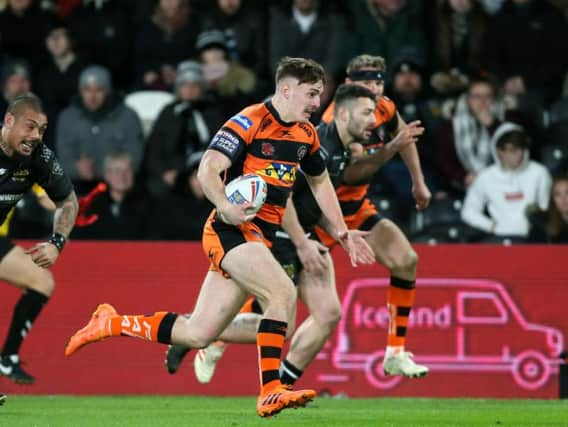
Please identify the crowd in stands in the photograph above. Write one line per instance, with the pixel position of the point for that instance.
(134, 90)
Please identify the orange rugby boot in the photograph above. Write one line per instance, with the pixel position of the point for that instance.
(97, 329)
(274, 400)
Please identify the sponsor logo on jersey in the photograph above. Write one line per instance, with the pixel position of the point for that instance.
(10, 197)
(21, 172)
(226, 142)
(56, 168)
(281, 171)
(285, 133)
(265, 123)
(302, 152)
(242, 121)
(307, 130)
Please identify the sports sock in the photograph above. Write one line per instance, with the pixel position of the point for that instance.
(289, 374)
(270, 340)
(400, 298)
(251, 306)
(26, 311)
(152, 327)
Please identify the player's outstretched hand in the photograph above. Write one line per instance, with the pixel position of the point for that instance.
(311, 254)
(43, 254)
(235, 214)
(408, 135)
(365, 254)
(357, 247)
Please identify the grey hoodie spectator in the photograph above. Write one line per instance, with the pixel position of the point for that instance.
(508, 189)
(95, 124)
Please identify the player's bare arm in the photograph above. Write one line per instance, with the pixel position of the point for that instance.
(310, 251)
(65, 215)
(409, 155)
(212, 165)
(363, 167)
(45, 254)
(324, 193)
(365, 254)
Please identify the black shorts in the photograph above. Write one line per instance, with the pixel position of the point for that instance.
(285, 253)
(6, 246)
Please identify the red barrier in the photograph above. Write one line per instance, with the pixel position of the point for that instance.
(488, 320)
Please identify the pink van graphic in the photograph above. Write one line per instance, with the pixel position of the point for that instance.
(457, 325)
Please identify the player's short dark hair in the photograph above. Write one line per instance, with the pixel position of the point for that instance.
(303, 69)
(23, 102)
(350, 92)
(516, 138)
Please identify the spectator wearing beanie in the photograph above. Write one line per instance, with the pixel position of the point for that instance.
(178, 139)
(228, 79)
(14, 81)
(95, 124)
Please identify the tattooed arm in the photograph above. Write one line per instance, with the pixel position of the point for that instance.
(46, 253)
(65, 215)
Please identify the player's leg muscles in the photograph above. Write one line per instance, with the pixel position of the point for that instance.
(319, 294)
(17, 268)
(255, 269)
(393, 250)
(219, 301)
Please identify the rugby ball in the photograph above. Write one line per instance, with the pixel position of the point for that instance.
(247, 188)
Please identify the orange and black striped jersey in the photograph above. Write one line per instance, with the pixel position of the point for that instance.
(258, 141)
(351, 196)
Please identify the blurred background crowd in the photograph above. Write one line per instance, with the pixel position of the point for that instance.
(134, 90)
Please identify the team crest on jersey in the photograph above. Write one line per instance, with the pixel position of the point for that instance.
(302, 152)
(267, 149)
(281, 171)
(242, 121)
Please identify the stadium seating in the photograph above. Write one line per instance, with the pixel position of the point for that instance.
(148, 104)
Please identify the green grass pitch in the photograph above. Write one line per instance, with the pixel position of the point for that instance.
(56, 411)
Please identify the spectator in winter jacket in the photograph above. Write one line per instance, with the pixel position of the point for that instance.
(122, 212)
(181, 133)
(93, 125)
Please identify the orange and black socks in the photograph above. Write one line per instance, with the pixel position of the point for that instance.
(270, 340)
(251, 306)
(26, 311)
(400, 299)
(155, 327)
(289, 374)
